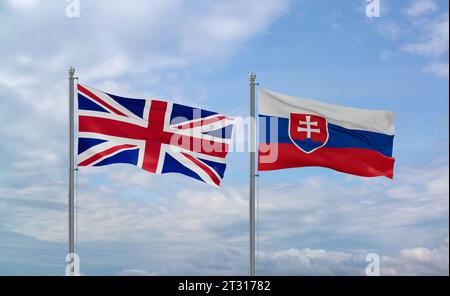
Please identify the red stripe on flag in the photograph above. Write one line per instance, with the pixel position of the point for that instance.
(99, 100)
(152, 134)
(104, 153)
(203, 167)
(360, 162)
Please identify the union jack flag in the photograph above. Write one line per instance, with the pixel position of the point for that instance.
(157, 136)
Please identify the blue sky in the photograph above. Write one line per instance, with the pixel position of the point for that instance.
(311, 220)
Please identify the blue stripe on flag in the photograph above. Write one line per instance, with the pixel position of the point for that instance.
(182, 113)
(171, 165)
(224, 133)
(86, 104)
(339, 137)
(126, 156)
(86, 143)
(135, 106)
(217, 166)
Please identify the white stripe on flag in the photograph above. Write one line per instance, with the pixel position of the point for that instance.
(280, 105)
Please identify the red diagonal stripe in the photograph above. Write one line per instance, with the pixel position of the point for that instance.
(203, 167)
(99, 100)
(104, 153)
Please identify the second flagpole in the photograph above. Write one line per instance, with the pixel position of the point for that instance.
(71, 249)
(252, 78)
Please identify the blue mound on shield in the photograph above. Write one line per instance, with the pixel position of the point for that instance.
(308, 145)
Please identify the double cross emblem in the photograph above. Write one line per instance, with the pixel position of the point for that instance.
(309, 126)
(308, 132)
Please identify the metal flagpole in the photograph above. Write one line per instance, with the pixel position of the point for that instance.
(252, 78)
(71, 254)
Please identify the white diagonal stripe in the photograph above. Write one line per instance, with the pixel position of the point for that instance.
(105, 97)
(112, 116)
(192, 166)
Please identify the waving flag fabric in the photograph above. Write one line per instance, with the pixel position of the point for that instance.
(157, 136)
(298, 132)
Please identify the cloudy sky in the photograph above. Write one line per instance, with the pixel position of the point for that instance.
(311, 221)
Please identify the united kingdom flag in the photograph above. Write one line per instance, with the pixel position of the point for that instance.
(157, 136)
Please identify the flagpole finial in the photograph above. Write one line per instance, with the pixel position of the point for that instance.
(71, 71)
(252, 76)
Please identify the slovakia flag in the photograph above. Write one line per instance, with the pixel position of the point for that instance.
(298, 132)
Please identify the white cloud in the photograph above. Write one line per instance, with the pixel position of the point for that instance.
(428, 36)
(387, 55)
(23, 4)
(434, 41)
(179, 222)
(389, 30)
(416, 261)
(307, 262)
(421, 7)
(160, 37)
(437, 69)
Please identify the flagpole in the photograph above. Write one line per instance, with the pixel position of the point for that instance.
(252, 78)
(71, 173)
